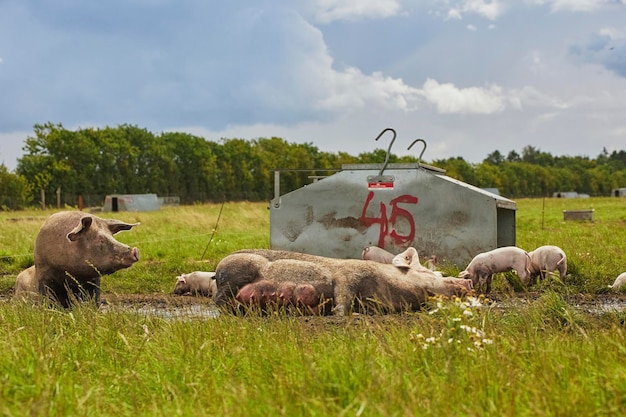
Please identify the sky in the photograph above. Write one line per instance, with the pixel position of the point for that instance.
(468, 76)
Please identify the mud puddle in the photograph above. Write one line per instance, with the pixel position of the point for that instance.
(171, 306)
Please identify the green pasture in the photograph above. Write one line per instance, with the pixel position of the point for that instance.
(554, 351)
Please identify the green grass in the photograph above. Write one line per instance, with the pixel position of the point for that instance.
(538, 355)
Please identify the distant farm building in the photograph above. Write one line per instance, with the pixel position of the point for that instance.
(618, 192)
(131, 202)
(569, 194)
(492, 190)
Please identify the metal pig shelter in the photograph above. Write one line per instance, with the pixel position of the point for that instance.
(393, 206)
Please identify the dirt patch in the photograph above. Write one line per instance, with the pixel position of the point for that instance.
(176, 306)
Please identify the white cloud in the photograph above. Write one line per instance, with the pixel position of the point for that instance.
(489, 9)
(612, 33)
(455, 13)
(471, 28)
(351, 89)
(575, 5)
(619, 131)
(331, 10)
(450, 99)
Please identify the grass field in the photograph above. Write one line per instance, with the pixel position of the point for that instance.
(535, 354)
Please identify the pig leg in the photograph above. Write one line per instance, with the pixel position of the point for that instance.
(91, 290)
(483, 282)
(488, 287)
(524, 274)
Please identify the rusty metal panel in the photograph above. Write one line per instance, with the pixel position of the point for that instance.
(406, 205)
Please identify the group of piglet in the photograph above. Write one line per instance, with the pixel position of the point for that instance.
(528, 265)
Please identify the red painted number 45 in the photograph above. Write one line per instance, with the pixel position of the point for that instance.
(387, 224)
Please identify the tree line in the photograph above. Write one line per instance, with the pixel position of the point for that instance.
(126, 159)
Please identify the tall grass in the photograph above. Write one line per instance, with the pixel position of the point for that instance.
(537, 362)
(521, 356)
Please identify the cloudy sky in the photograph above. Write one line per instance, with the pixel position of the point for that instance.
(468, 76)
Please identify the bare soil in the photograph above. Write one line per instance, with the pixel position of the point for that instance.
(171, 305)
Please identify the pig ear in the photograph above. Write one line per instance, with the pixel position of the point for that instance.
(182, 279)
(400, 261)
(118, 226)
(82, 227)
(406, 259)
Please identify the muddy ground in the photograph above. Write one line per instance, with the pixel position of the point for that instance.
(187, 306)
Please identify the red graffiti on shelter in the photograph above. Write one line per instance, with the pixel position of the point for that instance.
(387, 224)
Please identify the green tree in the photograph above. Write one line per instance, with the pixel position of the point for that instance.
(494, 158)
(15, 192)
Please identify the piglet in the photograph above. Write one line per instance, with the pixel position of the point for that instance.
(196, 283)
(508, 258)
(620, 281)
(374, 253)
(547, 259)
(410, 259)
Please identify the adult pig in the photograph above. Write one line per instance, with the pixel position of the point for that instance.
(245, 270)
(484, 265)
(352, 284)
(196, 283)
(547, 259)
(73, 250)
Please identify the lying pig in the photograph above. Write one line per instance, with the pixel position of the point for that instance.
(374, 253)
(547, 259)
(196, 283)
(287, 277)
(73, 250)
(620, 281)
(344, 284)
(508, 258)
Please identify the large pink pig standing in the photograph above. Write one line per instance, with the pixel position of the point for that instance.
(72, 252)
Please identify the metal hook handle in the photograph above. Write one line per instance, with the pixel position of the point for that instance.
(388, 149)
(419, 159)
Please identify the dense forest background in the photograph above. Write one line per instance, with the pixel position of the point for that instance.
(126, 159)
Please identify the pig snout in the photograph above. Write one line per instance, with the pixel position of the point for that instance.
(134, 254)
(128, 256)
